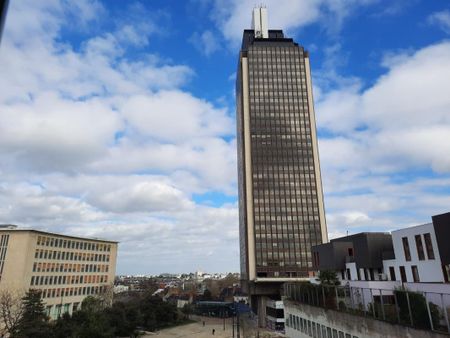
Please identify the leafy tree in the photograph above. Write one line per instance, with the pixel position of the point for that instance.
(156, 313)
(34, 321)
(328, 277)
(64, 327)
(419, 311)
(124, 318)
(92, 320)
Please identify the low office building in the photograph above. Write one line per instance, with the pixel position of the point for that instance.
(66, 269)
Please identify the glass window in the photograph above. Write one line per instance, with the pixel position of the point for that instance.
(429, 246)
(419, 246)
(392, 272)
(406, 248)
(415, 274)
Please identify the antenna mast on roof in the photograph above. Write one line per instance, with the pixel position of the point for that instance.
(260, 22)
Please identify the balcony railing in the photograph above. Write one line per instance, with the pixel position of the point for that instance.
(420, 310)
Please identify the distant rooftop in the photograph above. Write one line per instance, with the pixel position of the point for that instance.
(8, 226)
(13, 227)
(412, 227)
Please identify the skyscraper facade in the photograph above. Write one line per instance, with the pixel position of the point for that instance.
(281, 211)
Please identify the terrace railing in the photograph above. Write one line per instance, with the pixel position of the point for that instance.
(421, 310)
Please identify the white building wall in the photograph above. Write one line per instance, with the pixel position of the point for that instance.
(353, 272)
(430, 270)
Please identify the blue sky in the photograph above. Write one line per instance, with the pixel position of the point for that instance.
(117, 119)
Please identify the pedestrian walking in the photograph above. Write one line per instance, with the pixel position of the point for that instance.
(213, 331)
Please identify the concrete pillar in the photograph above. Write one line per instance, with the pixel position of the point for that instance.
(262, 303)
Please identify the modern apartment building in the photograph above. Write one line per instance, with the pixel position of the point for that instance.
(65, 269)
(355, 257)
(418, 254)
(281, 210)
(421, 253)
(391, 285)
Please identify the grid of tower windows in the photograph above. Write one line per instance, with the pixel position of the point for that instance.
(69, 263)
(286, 211)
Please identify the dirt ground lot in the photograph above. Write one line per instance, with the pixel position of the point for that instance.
(197, 330)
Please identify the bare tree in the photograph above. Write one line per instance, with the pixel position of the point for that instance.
(106, 295)
(11, 310)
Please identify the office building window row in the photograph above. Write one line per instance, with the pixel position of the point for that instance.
(72, 244)
(70, 255)
(313, 329)
(69, 267)
(74, 279)
(72, 292)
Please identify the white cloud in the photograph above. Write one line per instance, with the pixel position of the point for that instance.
(97, 142)
(405, 112)
(440, 19)
(176, 116)
(206, 42)
(234, 16)
(144, 196)
(30, 204)
(381, 142)
(51, 133)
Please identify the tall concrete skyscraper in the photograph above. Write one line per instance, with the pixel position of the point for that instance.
(281, 211)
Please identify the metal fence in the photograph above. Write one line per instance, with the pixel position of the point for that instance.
(421, 310)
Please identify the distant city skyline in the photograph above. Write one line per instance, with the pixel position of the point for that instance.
(117, 120)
